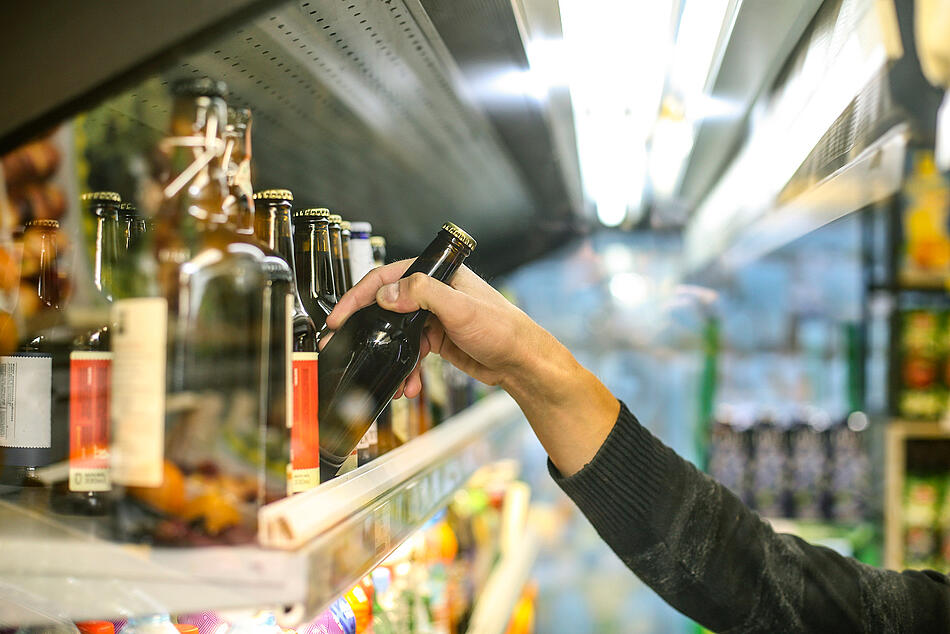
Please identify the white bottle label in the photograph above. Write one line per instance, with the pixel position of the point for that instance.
(138, 390)
(25, 401)
(361, 258)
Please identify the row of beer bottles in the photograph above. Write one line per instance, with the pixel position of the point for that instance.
(201, 376)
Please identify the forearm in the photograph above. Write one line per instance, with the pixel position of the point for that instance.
(712, 558)
(570, 410)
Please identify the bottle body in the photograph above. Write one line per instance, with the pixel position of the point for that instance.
(366, 361)
(192, 363)
(36, 377)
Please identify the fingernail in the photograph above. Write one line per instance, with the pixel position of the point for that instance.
(389, 293)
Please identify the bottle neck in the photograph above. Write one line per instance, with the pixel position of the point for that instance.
(325, 269)
(336, 254)
(272, 227)
(48, 283)
(196, 187)
(109, 241)
(440, 260)
(237, 162)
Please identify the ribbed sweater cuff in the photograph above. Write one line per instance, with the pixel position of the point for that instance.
(619, 490)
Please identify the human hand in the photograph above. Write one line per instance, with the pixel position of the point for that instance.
(472, 325)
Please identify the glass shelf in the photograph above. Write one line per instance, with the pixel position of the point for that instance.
(315, 546)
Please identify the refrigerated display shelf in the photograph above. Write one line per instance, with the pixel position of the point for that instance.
(316, 545)
(494, 607)
(898, 433)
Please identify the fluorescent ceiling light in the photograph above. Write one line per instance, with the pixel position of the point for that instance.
(629, 288)
(697, 40)
(615, 57)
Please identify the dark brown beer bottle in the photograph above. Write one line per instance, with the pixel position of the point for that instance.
(340, 270)
(314, 264)
(272, 225)
(364, 362)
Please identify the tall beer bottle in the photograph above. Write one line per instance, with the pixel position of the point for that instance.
(276, 374)
(313, 263)
(363, 364)
(340, 274)
(272, 225)
(187, 411)
(345, 234)
(35, 380)
(361, 263)
(378, 244)
(386, 438)
(86, 489)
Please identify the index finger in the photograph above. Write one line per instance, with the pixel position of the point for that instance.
(364, 293)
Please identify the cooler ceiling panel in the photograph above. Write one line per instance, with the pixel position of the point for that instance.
(359, 107)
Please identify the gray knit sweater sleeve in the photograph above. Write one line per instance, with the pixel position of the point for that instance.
(719, 563)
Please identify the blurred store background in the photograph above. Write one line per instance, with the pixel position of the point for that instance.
(736, 213)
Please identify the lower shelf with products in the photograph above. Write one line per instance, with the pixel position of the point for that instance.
(917, 495)
(314, 546)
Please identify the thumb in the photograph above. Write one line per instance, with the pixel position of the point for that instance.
(453, 308)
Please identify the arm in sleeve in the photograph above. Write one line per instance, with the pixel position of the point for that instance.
(716, 561)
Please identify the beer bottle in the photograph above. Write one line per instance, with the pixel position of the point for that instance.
(187, 400)
(104, 207)
(345, 255)
(128, 224)
(378, 244)
(313, 263)
(340, 279)
(35, 379)
(363, 364)
(86, 490)
(240, 207)
(272, 225)
(361, 252)
(237, 165)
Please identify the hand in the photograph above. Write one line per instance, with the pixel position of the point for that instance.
(479, 331)
(473, 326)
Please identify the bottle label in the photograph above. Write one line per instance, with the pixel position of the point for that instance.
(25, 401)
(138, 390)
(401, 414)
(89, 376)
(369, 439)
(305, 433)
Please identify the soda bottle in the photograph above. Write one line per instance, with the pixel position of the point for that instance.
(363, 364)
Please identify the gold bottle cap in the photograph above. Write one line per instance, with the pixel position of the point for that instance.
(107, 196)
(345, 225)
(337, 218)
(461, 234)
(311, 212)
(274, 194)
(43, 222)
(377, 241)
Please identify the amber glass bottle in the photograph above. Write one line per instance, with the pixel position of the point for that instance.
(313, 263)
(188, 407)
(365, 361)
(345, 234)
(340, 270)
(272, 225)
(278, 296)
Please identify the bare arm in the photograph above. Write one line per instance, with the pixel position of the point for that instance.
(483, 334)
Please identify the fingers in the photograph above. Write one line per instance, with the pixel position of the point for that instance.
(364, 293)
(454, 308)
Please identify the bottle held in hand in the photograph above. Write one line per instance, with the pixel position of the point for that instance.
(366, 361)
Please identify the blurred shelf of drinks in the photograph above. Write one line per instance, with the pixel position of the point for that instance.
(335, 534)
